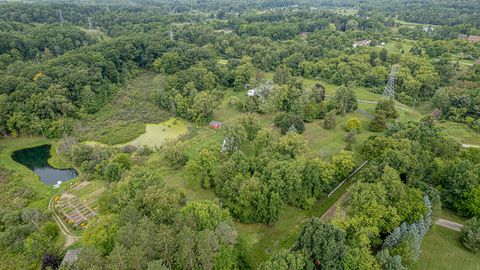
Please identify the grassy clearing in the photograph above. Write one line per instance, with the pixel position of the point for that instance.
(95, 33)
(158, 134)
(29, 178)
(398, 46)
(124, 119)
(448, 214)
(460, 132)
(56, 161)
(263, 240)
(442, 250)
(328, 142)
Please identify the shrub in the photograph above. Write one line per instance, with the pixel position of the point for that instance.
(330, 120)
(234, 101)
(351, 137)
(387, 106)
(378, 123)
(471, 235)
(353, 125)
(174, 155)
(285, 121)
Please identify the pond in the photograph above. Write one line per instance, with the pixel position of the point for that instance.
(36, 159)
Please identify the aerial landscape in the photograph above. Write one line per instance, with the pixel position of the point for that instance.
(240, 134)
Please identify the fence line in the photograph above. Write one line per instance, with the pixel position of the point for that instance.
(348, 177)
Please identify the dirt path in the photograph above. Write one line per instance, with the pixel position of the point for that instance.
(470, 145)
(327, 216)
(70, 238)
(449, 224)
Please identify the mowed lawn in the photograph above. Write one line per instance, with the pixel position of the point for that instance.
(442, 250)
(460, 132)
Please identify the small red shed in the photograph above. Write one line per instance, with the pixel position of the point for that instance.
(215, 124)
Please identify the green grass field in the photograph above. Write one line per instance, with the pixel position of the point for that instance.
(460, 132)
(95, 33)
(125, 118)
(442, 250)
(263, 240)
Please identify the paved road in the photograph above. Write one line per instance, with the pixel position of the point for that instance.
(449, 224)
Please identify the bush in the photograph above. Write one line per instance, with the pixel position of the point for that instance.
(175, 155)
(353, 125)
(387, 106)
(351, 137)
(330, 120)
(471, 235)
(378, 123)
(285, 121)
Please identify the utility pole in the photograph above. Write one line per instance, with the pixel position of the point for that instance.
(90, 25)
(389, 91)
(60, 16)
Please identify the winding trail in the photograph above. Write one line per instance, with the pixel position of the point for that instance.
(70, 238)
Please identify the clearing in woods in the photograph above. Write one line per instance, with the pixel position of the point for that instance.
(442, 250)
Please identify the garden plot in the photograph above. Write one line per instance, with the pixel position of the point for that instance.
(79, 205)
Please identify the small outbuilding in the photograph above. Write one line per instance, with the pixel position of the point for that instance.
(215, 124)
(252, 92)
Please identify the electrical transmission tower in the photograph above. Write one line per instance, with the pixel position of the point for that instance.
(172, 38)
(108, 9)
(60, 16)
(389, 89)
(90, 25)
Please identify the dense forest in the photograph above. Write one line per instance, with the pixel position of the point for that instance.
(286, 121)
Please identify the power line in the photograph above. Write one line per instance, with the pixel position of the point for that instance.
(90, 25)
(390, 88)
(60, 16)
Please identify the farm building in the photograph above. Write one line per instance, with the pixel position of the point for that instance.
(215, 124)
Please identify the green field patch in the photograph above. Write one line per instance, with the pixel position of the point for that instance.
(263, 240)
(460, 132)
(157, 134)
(329, 142)
(124, 119)
(95, 33)
(442, 250)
